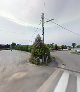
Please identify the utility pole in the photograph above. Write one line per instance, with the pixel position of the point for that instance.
(42, 17)
(43, 26)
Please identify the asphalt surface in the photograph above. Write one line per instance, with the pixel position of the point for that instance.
(71, 61)
(18, 75)
(68, 81)
(64, 79)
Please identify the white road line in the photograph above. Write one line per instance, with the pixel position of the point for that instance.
(48, 83)
(78, 84)
(63, 82)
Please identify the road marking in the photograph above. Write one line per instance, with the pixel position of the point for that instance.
(48, 83)
(62, 84)
(17, 75)
(78, 84)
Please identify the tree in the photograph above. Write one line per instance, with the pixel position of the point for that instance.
(78, 46)
(62, 47)
(39, 50)
(13, 45)
(73, 44)
(56, 47)
(65, 47)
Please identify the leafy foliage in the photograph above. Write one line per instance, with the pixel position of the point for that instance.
(63, 47)
(38, 51)
(78, 46)
(26, 48)
(13, 45)
(73, 44)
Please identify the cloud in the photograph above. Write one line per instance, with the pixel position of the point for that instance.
(19, 17)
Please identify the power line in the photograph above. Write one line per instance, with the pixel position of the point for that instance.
(37, 28)
(66, 28)
(63, 27)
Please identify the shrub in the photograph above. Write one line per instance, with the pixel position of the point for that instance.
(39, 51)
(23, 48)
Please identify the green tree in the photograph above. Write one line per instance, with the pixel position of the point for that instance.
(65, 47)
(56, 47)
(62, 47)
(78, 46)
(39, 51)
(13, 45)
(73, 44)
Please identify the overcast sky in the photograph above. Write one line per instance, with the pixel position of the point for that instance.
(19, 19)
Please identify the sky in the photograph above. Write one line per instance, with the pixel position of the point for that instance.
(19, 20)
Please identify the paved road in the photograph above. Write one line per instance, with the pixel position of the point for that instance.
(67, 81)
(18, 75)
(62, 80)
(72, 61)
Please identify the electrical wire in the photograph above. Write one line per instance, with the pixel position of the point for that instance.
(36, 31)
(62, 27)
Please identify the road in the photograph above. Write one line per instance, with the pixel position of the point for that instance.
(72, 61)
(18, 75)
(63, 80)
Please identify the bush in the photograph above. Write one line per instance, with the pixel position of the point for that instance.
(38, 51)
(23, 48)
